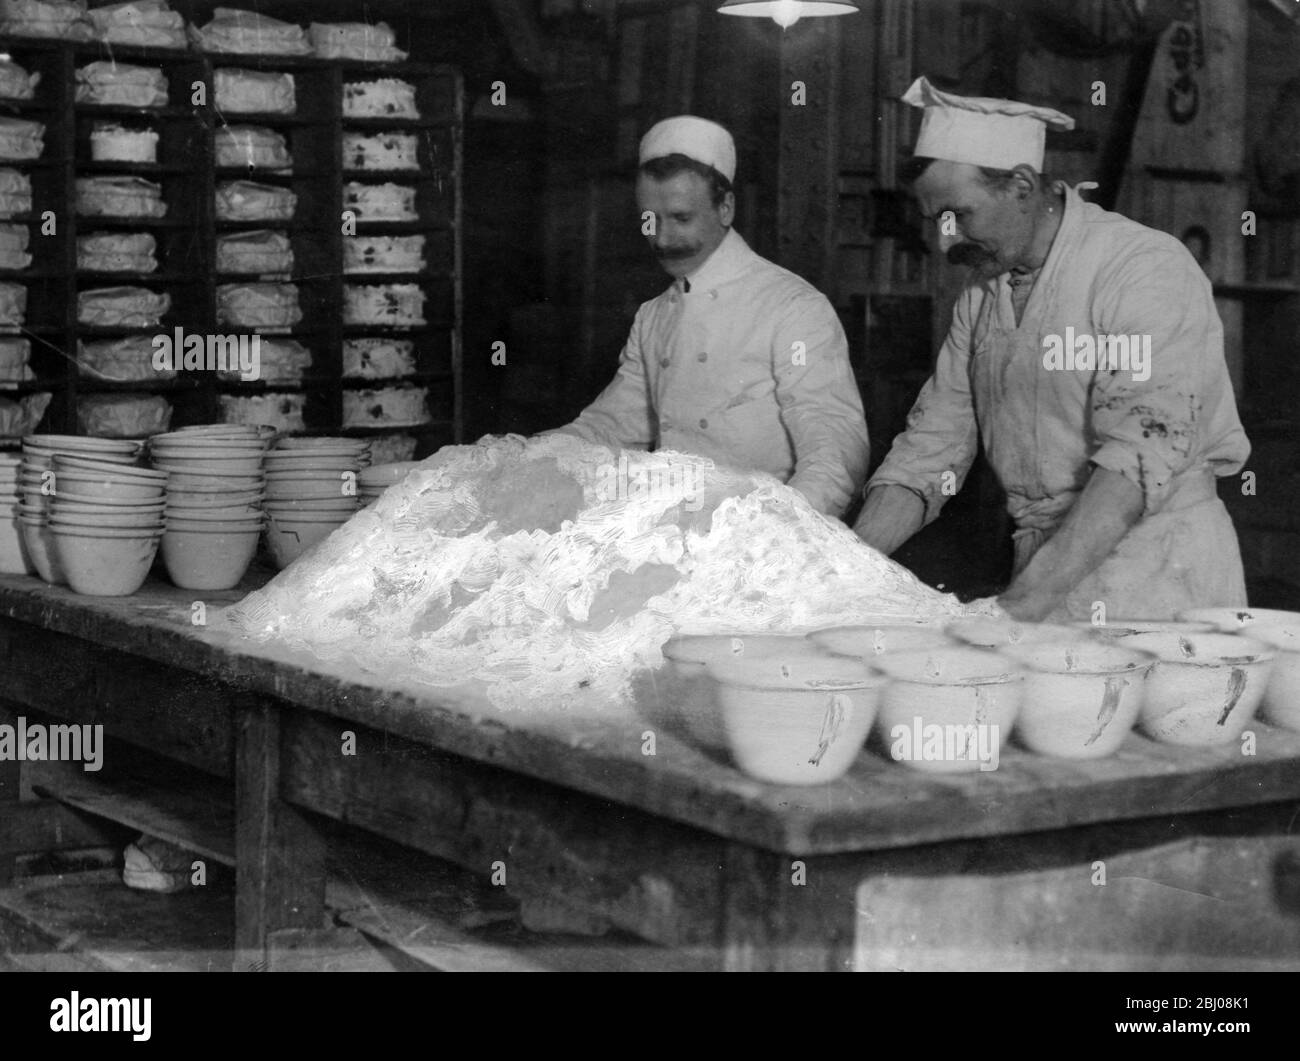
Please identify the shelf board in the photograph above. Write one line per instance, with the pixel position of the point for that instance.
(44, 162)
(385, 175)
(389, 278)
(133, 222)
(133, 169)
(397, 228)
(382, 331)
(10, 331)
(258, 61)
(29, 386)
(166, 113)
(93, 333)
(134, 53)
(225, 277)
(27, 106)
(397, 125)
(262, 386)
(387, 429)
(232, 118)
(100, 276)
(283, 226)
(186, 381)
(273, 333)
(358, 383)
(368, 67)
(255, 173)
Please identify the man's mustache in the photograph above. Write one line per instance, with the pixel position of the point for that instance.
(968, 254)
(672, 254)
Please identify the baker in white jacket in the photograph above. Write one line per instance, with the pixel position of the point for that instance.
(739, 360)
(1086, 353)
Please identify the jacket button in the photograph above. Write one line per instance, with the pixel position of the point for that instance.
(702, 357)
(663, 362)
(704, 424)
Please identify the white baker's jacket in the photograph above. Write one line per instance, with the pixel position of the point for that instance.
(1045, 429)
(750, 368)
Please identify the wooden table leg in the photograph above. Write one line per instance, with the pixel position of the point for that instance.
(11, 776)
(279, 854)
(782, 913)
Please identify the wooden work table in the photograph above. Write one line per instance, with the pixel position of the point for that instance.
(886, 868)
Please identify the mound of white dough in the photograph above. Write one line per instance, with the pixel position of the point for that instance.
(546, 566)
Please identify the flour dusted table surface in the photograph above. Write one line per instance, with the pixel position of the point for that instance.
(1158, 857)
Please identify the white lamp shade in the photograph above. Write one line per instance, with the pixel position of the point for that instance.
(787, 12)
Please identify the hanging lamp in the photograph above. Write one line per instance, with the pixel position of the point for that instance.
(785, 13)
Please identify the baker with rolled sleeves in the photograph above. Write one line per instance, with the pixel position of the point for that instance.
(739, 361)
(1087, 355)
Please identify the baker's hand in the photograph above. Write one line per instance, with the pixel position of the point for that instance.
(890, 516)
(1108, 506)
(1029, 606)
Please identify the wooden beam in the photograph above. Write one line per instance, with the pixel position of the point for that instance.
(38, 826)
(280, 880)
(137, 700)
(199, 817)
(10, 784)
(421, 933)
(655, 879)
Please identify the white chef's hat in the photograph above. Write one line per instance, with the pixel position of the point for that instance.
(999, 133)
(696, 138)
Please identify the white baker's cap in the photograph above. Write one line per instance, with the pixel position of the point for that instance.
(696, 138)
(999, 133)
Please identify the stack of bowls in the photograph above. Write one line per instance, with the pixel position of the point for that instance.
(11, 546)
(36, 483)
(214, 502)
(106, 520)
(373, 481)
(311, 490)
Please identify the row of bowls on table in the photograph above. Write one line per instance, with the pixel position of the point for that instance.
(798, 709)
(312, 489)
(87, 514)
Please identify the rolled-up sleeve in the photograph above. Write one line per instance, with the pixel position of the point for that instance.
(820, 404)
(623, 413)
(1146, 416)
(934, 453)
